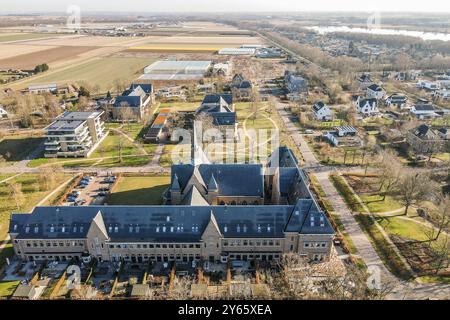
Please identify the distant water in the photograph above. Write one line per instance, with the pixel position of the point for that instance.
(417, 34)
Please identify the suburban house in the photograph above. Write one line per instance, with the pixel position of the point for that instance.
(343, 136)
(171, 92)
(222, 69)
(44, 88)
(217, 214)
(364, 81)
(221, 108)
(366, 106)
(444, 94)
(375, 91)
(321, 111)
(3, 113)
(396, 99)
(74, 134)
(424, 111)
(241, 87)
(133, 103)
(159, 131)
(428, 85)
(296, 85)
(426, 140)
(407, 75)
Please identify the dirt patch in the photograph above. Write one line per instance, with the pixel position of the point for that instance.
(30, 60)
(419, 256)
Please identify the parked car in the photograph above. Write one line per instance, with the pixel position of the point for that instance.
(309, 131)
(75, 193)
(104, 188)
(71, 199)
(101, 194)
(80, 202)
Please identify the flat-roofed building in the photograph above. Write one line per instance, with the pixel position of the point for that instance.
(74, 134)
(176, 70)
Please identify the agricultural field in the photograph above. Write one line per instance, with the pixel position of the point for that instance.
(142, 190)
(48, 55)
(102, 71)
(7, 37)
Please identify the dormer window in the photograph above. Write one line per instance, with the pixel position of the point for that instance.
(225, 228)
(130, 229)
(52, 228)
(116, 229)
(63, 229)
(157, 228)
(81, 229)
(259, 228)
(137, 228)
(164, 229)
(168, 219)
(110, 229)
(36, 229)
(171, 229)
(238, 228)
(15, 227)
(74, 229)
(27, 229)
(178, 228)
(268, 228)
(245, 228)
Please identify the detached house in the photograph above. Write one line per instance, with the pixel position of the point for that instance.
(321, 111)
(424, 111)
(375, 91)
(241, 87)
(426, 140)
(296, 85)
(398, 100)
(364, 81)
(134, 100)
(366, 106)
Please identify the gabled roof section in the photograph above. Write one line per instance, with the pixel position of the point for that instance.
(307, 218)
(175, 186)
(194, 198)
(212, 184)
(98, 223)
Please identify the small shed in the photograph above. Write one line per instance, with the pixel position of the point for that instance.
(140, 291)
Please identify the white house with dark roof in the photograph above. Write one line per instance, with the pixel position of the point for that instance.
(296, 86)
(396, 99)
(364, 81)
(3, 113)
(321, 111)
(375, 91)
(366, 106)
(424, 111)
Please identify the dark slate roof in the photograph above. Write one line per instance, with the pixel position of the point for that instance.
(215, 98)
(231, 179)
(245, 84)
(362, 101)
(132, 101)
(424, 107)
(224, 118)
(375, 87)
(170, 223)
(308, 219)
(146, 87)
(318, 105)
(425, 132)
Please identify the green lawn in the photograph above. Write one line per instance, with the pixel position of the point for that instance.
(143, 190)
(7, 288)
(376, 204)
(132, 155)
(180, 106)
(31, 196)
(102, 71)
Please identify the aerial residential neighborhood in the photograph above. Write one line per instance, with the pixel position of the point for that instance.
(224, 157)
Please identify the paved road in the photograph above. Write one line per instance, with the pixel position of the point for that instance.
(366, 251)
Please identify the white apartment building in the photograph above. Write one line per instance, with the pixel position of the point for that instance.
(74, 134)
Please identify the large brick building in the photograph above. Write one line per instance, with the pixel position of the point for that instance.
(206, 224)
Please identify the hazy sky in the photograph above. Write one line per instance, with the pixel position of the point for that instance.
(149, 6)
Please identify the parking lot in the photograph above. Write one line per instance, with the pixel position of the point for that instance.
(91, 190)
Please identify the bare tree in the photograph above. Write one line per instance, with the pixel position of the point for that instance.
(413, 188)
(15, 190)
(440, 218)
